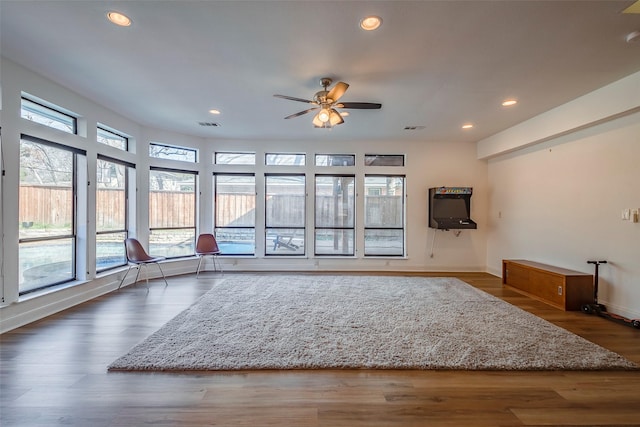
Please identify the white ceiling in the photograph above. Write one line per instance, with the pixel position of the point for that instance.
(437, 64)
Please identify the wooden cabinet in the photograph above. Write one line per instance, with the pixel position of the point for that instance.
(559, 287)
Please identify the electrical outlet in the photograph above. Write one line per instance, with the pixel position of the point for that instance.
(559, 290)
(626, 214)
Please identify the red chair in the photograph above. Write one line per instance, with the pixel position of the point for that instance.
(207, 246)
(138, 257)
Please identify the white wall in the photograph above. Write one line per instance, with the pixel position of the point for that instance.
(427, 165)
(559, 201)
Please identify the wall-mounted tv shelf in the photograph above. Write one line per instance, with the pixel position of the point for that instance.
(559, 287)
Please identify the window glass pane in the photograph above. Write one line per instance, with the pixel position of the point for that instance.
(285, 200)
(383, 201)
(47, 116)
(170, 152)
(223, 158)
(335, 201)
(281, 159)
(384, 160)
(235, 216)
(383, 242)
(46, 191)
(172, 243)
(235, 201)
(236, 241)
(334, 242)
(172, 213)
(335, 159)
(171, 199)
(110, 196)
(285, 241)
(384, 215)
(285, 214)
(110, 250)
(112, 139)
(44, 263)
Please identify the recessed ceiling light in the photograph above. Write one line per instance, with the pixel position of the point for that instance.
(370, 23)
(509, 102)
(119, 19)
(214, 111)
(467, 126)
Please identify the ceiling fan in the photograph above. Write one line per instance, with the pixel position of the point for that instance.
(327, 101)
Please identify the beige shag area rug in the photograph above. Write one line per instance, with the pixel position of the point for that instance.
(359, 322)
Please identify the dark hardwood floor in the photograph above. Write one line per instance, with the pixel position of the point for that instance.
(53, 372)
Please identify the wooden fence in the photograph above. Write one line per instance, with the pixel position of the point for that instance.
(53, 206)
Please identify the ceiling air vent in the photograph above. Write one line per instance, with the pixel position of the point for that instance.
(414, 127)
(209, 124)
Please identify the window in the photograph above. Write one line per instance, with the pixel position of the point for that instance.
(112, 139)
(284, 159)
(227, 158)
(47, 214)
(172, 212)
(335, 159)
(285, 214)
(172, 152)
(54, 118)
(384, 215)
(235, 213)
(384, 160)
(111, 212)
(335, 213)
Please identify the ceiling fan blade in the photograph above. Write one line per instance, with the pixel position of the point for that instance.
(301, 113)
(359, 105)
(293, 98)
(335, 118)
(338, 90)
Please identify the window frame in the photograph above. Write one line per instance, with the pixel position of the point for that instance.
(270, 156)
(73, 235)
(330, 157)
(103, 128)
(175, 147)
(241, 154)
(217, 228)
(385, 160)
(195, 210)
(44, 109)
(299, 230)
(351, 228)
(128, 167)
(403, 227)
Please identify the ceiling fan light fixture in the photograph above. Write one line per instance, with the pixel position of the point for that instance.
(335, 118)
(370, 23)
(119, 18)
(324, 115)
(317, 122)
